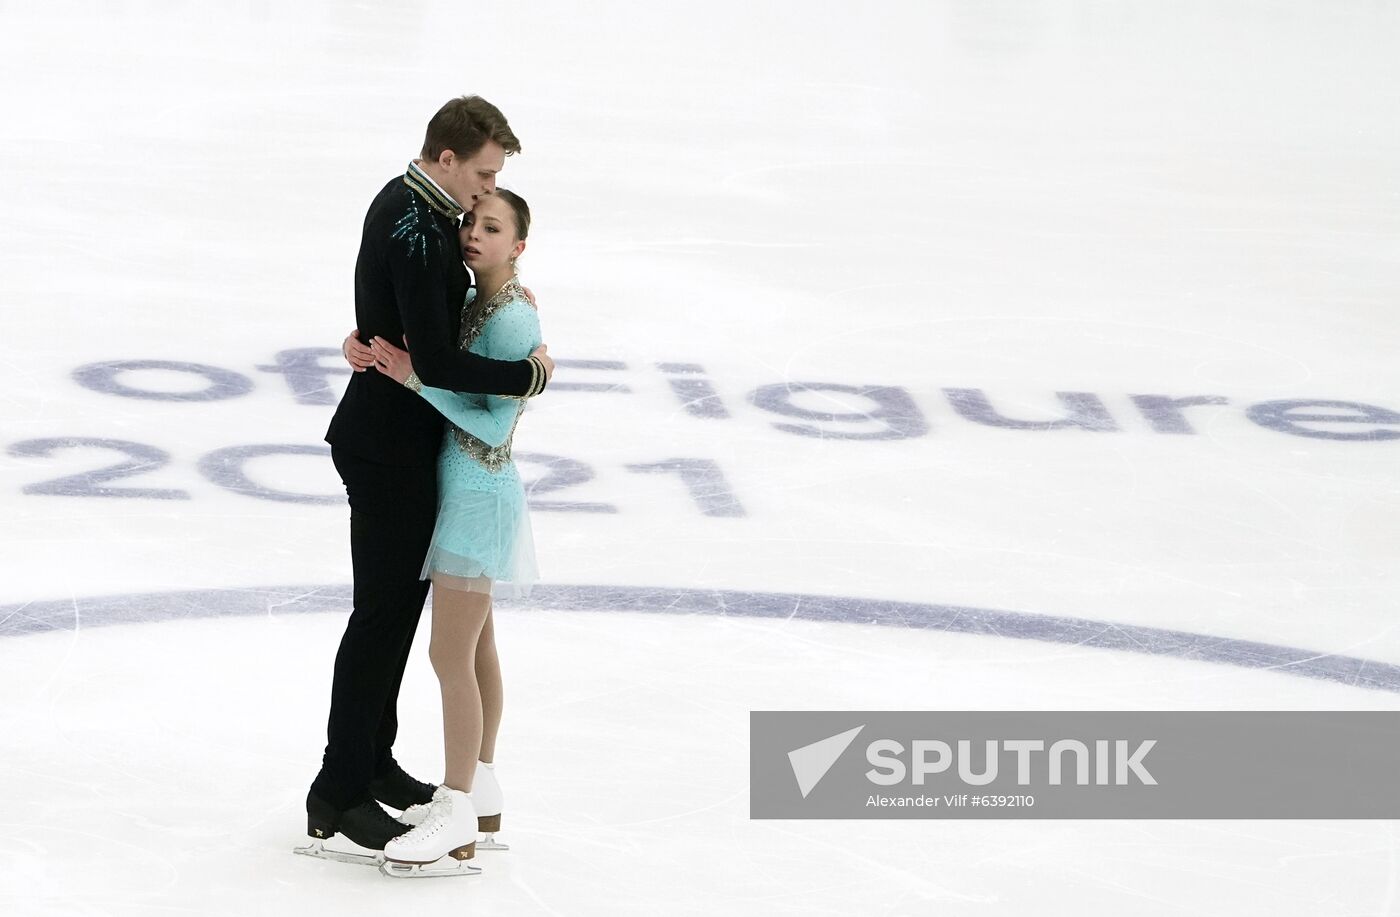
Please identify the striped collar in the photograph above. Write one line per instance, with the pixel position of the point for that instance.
(431, 191)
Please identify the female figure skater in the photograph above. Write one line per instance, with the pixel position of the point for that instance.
(482, 539)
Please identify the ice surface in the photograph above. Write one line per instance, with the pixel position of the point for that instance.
(823, 269)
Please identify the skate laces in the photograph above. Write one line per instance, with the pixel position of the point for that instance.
(439, 810)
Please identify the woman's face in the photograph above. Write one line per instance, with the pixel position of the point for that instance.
(488, 234)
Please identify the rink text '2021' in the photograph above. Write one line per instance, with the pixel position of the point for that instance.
(834, 411)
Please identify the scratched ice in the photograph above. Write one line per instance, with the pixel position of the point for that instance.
(913, 356)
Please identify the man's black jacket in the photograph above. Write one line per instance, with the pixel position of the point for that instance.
(409, 279)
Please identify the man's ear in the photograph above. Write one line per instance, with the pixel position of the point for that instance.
(446, 158)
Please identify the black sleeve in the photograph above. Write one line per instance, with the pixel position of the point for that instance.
(415, 263)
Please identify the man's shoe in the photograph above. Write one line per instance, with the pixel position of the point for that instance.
(398, 790)
(366, 824)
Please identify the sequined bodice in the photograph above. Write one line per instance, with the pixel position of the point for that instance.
(475, 317)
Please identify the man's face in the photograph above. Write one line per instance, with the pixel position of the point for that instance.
(468, 180)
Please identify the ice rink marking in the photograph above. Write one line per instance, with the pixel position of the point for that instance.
(141, 608)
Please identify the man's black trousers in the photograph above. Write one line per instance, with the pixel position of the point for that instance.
(392, 513)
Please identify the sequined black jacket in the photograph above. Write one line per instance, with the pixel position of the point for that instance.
(409, 278)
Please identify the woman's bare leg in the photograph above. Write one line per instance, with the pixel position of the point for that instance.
(488, 680)
(458, 617)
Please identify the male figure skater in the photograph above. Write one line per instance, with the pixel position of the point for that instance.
(409, 281)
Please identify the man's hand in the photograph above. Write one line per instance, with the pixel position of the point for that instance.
(542, 353)
(530, 296)
(356, 354)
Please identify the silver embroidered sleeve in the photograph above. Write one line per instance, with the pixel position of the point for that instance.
(413, 382)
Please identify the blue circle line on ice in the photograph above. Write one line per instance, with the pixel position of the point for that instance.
(137, 608)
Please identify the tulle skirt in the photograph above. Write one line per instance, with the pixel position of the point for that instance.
(482, 541)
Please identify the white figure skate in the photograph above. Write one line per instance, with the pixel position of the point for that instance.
(488, 801)
(440, 845)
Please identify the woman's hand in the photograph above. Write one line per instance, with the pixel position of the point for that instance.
(356, 354)
(390, 360)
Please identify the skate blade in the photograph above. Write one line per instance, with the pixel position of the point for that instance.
(319, 851)
(489, 842)
(447, 866)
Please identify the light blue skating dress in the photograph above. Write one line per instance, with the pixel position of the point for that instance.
(483, 540)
